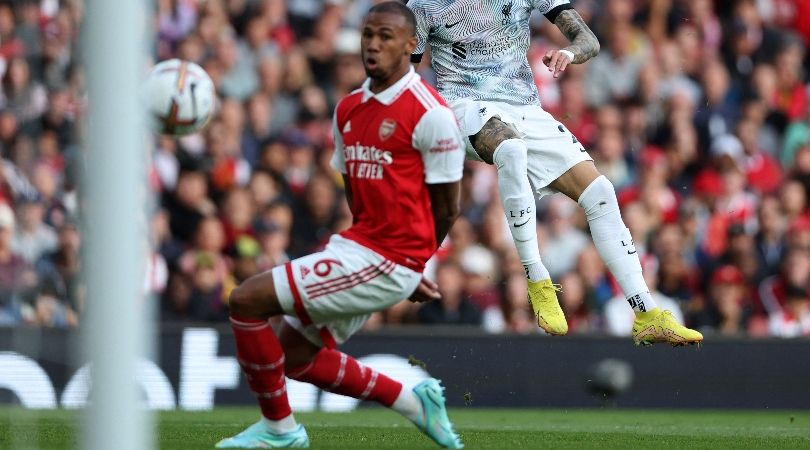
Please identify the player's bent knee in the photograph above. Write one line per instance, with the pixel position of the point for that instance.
(255, 297)
(511, 154)
(240, 301)
(486, 155)
(599, 198)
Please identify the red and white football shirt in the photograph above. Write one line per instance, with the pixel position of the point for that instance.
(391, 145)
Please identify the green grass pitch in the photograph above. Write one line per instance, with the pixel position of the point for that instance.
(375, 428)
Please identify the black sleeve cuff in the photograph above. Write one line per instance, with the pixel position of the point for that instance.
(416, 59)
(552, 15)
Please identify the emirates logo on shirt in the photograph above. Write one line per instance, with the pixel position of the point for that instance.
(387, 128)
(366, 162)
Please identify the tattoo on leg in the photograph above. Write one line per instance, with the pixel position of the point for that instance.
(584, 44)
(491, 135)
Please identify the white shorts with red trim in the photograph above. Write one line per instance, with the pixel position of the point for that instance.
(552, 149)
(329, 295)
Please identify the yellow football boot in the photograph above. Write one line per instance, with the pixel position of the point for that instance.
(659, 326)
(543, 298)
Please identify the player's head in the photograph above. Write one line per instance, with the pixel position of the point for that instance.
(388, 39)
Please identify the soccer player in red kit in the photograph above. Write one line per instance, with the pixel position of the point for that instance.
(401, 154)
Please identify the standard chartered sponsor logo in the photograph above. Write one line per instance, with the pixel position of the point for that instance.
(459, 51)
(489, 48)
(492, 47)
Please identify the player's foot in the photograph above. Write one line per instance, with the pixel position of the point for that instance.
(258, 436)
(434, 421)
(543, 298)
(659, 326)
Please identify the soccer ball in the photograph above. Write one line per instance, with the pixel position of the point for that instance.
(179, 97)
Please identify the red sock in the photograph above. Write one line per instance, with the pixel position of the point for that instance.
(338, 372)
(262, 359)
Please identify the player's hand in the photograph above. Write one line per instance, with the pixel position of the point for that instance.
(427, 291)
(556, 61)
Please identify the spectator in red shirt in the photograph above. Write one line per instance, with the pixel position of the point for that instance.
(735, 203)
(574, 112)
(791, 91)
(794, 319)
(762, 171)
(652, 188)
(573, 302)
(795, 273)
(237, 216)
(728, 308)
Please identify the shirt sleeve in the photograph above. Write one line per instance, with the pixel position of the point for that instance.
(551, 8)
(422, 31)
(439, 139)
(338, 161)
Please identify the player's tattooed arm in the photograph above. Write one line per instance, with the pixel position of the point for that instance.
(490, 137)
(584, 44)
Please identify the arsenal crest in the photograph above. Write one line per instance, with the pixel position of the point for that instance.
(387, 128)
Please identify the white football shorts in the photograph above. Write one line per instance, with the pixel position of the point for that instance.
(553, 150)
(329, 295)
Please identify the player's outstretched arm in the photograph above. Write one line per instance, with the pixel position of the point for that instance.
(584, 44)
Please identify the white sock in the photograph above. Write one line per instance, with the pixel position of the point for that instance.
(642, 302)
(536, 271)
(614, 242)
(280, 426)
(517, 199)
(408, 404)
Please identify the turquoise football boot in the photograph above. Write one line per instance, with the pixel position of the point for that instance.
(257, 436)
(434, 421)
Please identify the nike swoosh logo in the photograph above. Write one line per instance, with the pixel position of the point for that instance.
(518, 225)
(451, 25)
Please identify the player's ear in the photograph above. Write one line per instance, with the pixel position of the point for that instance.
(410, 44)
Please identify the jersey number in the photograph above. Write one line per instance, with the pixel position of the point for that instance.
(323, 267)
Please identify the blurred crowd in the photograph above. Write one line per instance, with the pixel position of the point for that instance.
(698, 111)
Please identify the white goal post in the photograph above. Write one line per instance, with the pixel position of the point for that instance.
(116, 330)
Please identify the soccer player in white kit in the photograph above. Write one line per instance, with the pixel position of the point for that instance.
(478, 51)
(401, 155)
